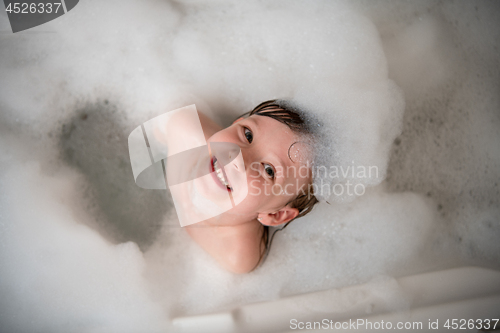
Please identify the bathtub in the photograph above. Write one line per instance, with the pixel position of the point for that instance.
(73, 89)
(434, 298)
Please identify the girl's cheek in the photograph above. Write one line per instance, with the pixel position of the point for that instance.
(254, 170)
(215, 138)
(254, 188)
(222, 136)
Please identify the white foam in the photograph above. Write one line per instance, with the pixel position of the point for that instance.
(58, 273)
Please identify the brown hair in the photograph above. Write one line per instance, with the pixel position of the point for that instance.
(284, 112)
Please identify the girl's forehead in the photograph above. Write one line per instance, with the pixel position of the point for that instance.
(301, 152)
(271, 127)
(298, 147)
(293, 150)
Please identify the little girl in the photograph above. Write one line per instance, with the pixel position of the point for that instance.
(275, 140)
(229, 185)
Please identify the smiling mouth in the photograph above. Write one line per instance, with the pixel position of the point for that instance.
(219, 173)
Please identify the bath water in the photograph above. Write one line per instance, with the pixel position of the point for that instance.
(410, 89)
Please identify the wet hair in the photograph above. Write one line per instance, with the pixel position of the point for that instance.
(293, 117)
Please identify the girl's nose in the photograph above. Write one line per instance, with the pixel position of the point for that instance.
(238, 162)
(227, 154)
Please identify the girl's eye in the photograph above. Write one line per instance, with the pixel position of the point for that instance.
(269, 170)
(248, 135)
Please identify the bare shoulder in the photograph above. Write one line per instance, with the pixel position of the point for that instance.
(248, 251)
(238, 249)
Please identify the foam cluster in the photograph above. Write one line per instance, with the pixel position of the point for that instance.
(82, 247)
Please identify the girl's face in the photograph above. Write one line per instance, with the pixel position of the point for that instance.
(273, 178)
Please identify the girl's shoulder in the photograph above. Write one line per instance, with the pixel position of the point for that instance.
(238, 249)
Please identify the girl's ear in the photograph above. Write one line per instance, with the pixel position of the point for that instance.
(239, 119)
(281, 216)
